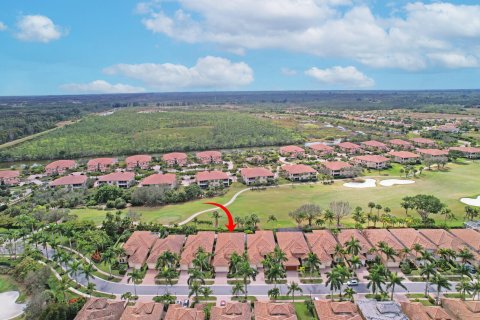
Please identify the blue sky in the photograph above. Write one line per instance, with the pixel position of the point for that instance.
(62, 47)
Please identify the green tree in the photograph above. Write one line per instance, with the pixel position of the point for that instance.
(134, 276)
(395, 280)
(292, 288)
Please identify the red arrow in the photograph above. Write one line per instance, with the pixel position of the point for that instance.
(231, 226)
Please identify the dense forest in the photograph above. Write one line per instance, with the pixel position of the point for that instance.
(131, 131)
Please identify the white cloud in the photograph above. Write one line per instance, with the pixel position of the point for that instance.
(348, 77)
(411, 37)
(288, 72)
(38, 28)
(3, 26)
(100, 86)
(208, 72)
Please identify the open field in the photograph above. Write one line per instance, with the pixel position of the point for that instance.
(461, 180)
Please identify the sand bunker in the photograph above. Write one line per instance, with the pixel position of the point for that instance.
(368, 183)
(8, 308)
(392, 182)
(471, 201)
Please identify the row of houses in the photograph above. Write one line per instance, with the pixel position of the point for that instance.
(144, 247)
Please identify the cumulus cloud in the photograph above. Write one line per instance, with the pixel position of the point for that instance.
(100, 86)
(348, 77)
(413, 37)
(38, 28)
(3, 26)
(208, 72)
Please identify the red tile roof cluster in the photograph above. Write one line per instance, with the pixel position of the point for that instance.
(101, 161)
(274, 311)
(117, 176)
(374, 144)
(329, 310)
(336, 165)
(143, 311)
(256, 172)
(372, 158)
(422, 141)
(417, 311)
(174, 156)
(466, 149)
(138, 246)
(209, 154)
(320, 147)
(321, 244)
(298, 169)
(294, 245)
(409, 237)
(8, 174)
(159, 179)
(172, 243)
(64, 164)
(433, 152)
(69, 180)
(232, 311)
(100, 308)
(346, 235)
(203, 239)
(227, 244)
(210, 175)
(404, 154)
(348, 145)
(291, 149)
(259, 245)
(400, 142)
(138, 158)
(469, 236)
(382, 235)
(443, 239)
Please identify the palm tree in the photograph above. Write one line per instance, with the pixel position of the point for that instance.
(338, 252)
(395, 280)
(237, 289)
(275, 272)
(329, 216)
(87, 271)
(355, 263)
(108, 257)
(206, 292)
(195, 289)
(215, 216)
(312, 263)
(247, 273)
(378, 207)
(167, 259)
(440, 282)
(475, 288)
(376, 278)
(353, 246)
(462, 287)
(127, 296)
(465, 255)
(235, 259)
(427, 271)
(202, 260)
(272, 218)
(195, 275)
(134, 276)
(418, 248)
(371, 205)
(292, 288)
(387, 250)
(90, 288)
(273, 293)
(463, 270)
(349, 292)
(334, 281)
(73, 268)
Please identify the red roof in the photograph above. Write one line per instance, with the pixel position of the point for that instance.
(138, 158)
(399, 142)
(374, 143)
(256, 172)
(104, 161)
(7, 174)
(158, 178)
(210, 175)
(289, 149)
(348, 145)
(466, 149)
(404, 154)
(422, 140)
(61, 164)
(336, 165)
(117, 176)
(174, 156)
(320, 147)
(433, 152)
(298, 168)
(69, 180)
(372, 158)
(208, 154)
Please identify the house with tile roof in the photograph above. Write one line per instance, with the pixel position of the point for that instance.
(467, 152)
(322, 243)
(209, 157)
(373, 145)
(175, 159)
(320, 149)
(469, 236)
(177, 312)
(172, 243)
(138, 247)
(9, 177)
(101, 309)
(462, 310)
(337, 169)
(100, 164)
(167, 181)
(399, 144)
(274, 311)
(141, 161)
(423, 142)
(433, 154)
(380, 310)
(292, 152)
(417, 311)
(259, 245)
(376, 236)
(203, 239)
(299, 172)
(330, 310)
(143, 311)
(231, 311)
(214, 178)
(409, 237)
(60, 167)
(404, 157)
(227, 244)
(349, 147)
(77, 181)
(372, 161)
(346, 235)
(119, 179)
(295, 247)
(258, 175)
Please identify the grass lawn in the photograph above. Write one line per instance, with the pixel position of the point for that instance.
(302, 312)
(8, 284)
(460, 180)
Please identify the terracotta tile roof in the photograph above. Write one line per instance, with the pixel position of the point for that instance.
(117, 176)
(274, 311)
(404, 154)
(139, 239)
(294, 245)
(320, 147)
(443, 239)
(232, 311)
(374, 144)
(374, 236)
(177, 312)
(298, 168)
(462, 309)
(159, 179)
(400, 142)
(172, 243)
(138, 158)
(372, 158)
(466, 149)
(143, 311)
(256, 172)
(346, 235)
(317, 247)
(410, 236)
(348, 145)
(433, 152)
(8, 174)
(422, 141)
(335, 165)
(417, 311)
(328, 310)
(64, 164)
(290, 149)
(209, 154)
(211, 175)
(69, 180)
(174, 156)
(469, 236)
(101, 161)
(227, 244)
(259, 245)
(203, 239)
(101, 309)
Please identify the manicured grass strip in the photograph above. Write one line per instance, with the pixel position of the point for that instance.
(302, 311)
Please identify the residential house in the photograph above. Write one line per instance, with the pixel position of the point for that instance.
(274, 311)
(227, 244)
(372, 161)
(433, 154)
(9, 177)
(175, 159)
(404, 157)
(295, 247)
(231, 311)
(329, 310)
(467, 152)
(374, 146)
(60, 167)
(349, 147)
(118, 179)
(251, 176)
(323, 244)
(214, 178)
(399, 144)
(423, 142)
(143, 311)
(101, 308)
(208, 157)
(448, 128)
(469, 236)
(380, 310)
(168, 181)
(259, 245)
(177, 312)
(321, 149)
(292, 152)
(141, 161)
(299, 172)
(204, 240)
(346, 235)
(462, 310)
(76, 181)
(376, 236)
(138, 247)
(100, 164)
(172, 243)
(337, 169)
(417, 311)
(409, 237)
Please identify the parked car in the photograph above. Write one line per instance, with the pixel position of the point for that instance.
(223, 303)
(186, 303)
(352, 282)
